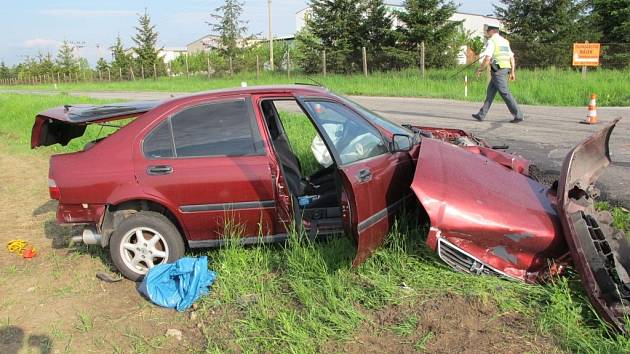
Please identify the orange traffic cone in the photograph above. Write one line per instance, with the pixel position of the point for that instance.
(591, 117)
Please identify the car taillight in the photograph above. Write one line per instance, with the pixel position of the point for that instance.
(54, 191)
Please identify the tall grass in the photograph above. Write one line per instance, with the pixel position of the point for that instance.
(546, 87)
(300, 296)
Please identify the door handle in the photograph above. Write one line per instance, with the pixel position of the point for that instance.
(364, 175)
(159, 170)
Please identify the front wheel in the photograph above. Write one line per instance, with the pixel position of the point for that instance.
(142, 241)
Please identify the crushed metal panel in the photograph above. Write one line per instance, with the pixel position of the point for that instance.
(599, 253)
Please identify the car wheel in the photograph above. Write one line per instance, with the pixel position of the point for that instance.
(142, 241)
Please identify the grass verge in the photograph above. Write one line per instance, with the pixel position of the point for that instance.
(540, 87)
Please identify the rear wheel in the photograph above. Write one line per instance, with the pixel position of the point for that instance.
(142, 241)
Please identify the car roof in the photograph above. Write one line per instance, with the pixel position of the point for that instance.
(90, 113)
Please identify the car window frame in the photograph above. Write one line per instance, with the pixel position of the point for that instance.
(259, 149)
(302, 100)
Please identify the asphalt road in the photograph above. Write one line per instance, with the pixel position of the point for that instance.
(545, 137)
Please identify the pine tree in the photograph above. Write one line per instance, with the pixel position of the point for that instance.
(66, 61)
(5, 72)
(429, 21)
(380, 38)
(121, 61)
(337, 23)
(542, 31)
(612, 18)
(102, 65)
(229, 27)
(147, 54)
(45, 64)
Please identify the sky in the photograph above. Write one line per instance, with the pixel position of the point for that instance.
(28, 27)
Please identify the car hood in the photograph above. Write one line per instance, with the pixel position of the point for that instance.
(600, 253)
(60, 125)
(488, 208)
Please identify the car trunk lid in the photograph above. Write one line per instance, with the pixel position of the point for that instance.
(60, 125)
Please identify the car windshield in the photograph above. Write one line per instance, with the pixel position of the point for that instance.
(377, 119)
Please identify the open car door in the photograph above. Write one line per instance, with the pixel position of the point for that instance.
(375, 180)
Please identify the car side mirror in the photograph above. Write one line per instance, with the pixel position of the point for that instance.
(401, 142)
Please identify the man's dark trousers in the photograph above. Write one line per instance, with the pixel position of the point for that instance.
(499, 83)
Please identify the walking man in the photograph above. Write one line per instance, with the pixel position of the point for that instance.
(499, 56)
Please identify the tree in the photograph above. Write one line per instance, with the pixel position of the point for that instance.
(5, 71)
(102, 65)
(229, 27)
(429, 21)
(66, 61)
(612, 19)
(542, 31)
(380, 38)
(338, 24)
(121, 61)
(147, 54)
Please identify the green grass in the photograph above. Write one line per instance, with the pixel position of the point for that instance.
(545, 87)
(302, 296)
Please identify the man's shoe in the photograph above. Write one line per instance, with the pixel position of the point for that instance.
(516, 120)
(477, 117)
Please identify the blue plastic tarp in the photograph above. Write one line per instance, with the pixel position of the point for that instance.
(177, 285)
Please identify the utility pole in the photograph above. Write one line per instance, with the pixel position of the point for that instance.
(270, 35)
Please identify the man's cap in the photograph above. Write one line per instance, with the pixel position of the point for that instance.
(491, 26)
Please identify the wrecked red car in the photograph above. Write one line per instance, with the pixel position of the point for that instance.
(183, 170)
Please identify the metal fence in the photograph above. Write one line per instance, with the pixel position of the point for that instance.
(294, 59)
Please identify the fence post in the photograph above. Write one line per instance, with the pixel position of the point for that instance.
(133, 76)
(364, 52)
(154, 71)
(324, 62)
(142, 71)
(288, 63)
(120, 73)
(257, 67)
(231, 68)
(100, 75)
(58, 78)
(208, 62)
(187, 72)
(422, 58)
(109, 75)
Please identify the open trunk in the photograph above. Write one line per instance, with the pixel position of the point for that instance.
(60, 125)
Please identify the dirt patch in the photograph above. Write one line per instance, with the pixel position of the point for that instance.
(446, 324)
(54, 302)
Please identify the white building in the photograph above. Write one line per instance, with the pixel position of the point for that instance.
(168, 54)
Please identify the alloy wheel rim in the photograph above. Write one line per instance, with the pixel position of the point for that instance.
(142, 248)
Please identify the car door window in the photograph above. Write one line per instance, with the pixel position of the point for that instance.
(215, 129)
(159, 143)
(353, 138)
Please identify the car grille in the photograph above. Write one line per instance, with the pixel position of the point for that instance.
(461, 261)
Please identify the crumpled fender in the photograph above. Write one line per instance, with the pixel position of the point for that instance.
(491, 211)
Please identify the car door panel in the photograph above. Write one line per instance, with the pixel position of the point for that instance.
(212, 193)
(376, 185)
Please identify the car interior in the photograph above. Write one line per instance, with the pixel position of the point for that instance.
(318, 193)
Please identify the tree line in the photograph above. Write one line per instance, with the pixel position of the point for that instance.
(541, 32)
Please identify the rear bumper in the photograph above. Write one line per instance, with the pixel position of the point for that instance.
(80, 213)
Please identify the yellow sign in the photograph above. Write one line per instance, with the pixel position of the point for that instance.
(586, 54)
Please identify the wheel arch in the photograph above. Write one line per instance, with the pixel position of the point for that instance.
(115, 213)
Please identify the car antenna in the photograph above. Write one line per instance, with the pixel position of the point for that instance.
(317, 83)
